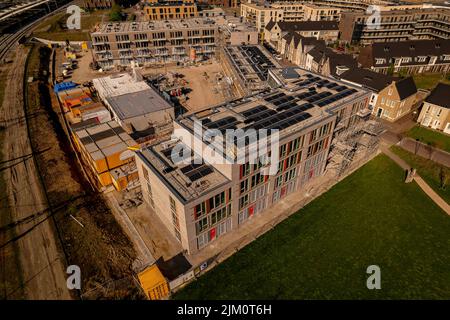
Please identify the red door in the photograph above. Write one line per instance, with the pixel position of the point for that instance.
(251, 210)
(283, 192)
(212, 234)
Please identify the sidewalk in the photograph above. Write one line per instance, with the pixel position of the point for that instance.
(420, 182)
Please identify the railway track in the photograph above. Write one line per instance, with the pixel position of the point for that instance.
(8, 41)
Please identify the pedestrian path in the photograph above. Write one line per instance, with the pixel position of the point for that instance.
(420, 182)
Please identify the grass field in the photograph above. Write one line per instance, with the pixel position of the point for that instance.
(53, 27)
(322, 252)
(430, 80)
(429, 170)
(428, 136)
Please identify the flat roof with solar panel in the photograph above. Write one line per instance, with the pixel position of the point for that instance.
(188, 178)
(252, 64)
(296, 103)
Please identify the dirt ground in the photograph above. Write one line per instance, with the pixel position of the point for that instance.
(42, 266)
(151, 230)
(205, 90)
(83, 72)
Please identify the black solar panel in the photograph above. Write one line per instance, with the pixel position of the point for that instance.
(257, 60)
(223, 124)
(331, 85)
(340, 88)
(255, 110)
(199, 173)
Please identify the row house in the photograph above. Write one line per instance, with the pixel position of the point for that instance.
(435, 112)
(321, 30)
(411, 57)
(392, 98)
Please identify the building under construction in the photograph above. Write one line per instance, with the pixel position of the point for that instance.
(143, 113)
(247, 66)
(201, 201)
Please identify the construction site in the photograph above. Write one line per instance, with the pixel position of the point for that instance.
(107, 119)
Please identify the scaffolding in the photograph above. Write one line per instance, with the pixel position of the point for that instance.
(354, 143)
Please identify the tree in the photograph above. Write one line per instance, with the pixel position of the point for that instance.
(116, 13)
(390, 70)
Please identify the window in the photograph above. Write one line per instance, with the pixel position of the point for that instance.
(218, 216)
(297, 143)
(283, 150)
(243, 201)
(245, 169)
(201, 225)
(145, 173)
(200, 209)
(217, 200)
(278, 181)
(257, 179)
(244, 186)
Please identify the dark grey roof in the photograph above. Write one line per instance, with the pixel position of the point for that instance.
(440, 96)
(319, 53)
(137, 104)
(414, 48)
(303, 25)
(368, 79)
(406, 87)
(270, 25)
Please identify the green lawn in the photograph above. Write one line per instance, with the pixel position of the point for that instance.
(429, 170)
(428, 136)
(52, 28)
(430, 80)
(322, 252)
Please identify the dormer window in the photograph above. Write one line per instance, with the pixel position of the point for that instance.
(421, 58)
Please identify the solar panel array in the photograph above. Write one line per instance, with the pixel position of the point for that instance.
(257, 60)
(222, 124)
(286, 109)
(196, 171)
(334, 98)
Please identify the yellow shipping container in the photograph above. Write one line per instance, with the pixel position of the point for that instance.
(154, 284)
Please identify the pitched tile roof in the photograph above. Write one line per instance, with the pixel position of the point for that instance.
(440, 96)
(413, 49)
(368, 79)
(406, 87)
(303, 25)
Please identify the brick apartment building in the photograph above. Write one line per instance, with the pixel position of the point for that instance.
(170, 9)
(398, 23)
(154, 42)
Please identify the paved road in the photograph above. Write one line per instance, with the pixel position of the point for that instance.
(42, 265)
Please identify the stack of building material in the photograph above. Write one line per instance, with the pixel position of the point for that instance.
(106, 149)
